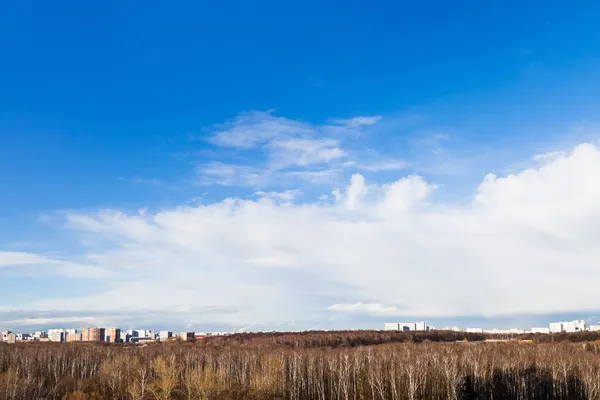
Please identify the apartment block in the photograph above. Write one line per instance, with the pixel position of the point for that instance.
(56, 335)
(578, 325)
(92, 334)
(73, 337)
(405, 326)
(475, 330)
(112, 335)
(540, 330)
(594, 328)
(11, 338)
(390, 326)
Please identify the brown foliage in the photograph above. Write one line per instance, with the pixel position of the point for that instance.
(312, 366)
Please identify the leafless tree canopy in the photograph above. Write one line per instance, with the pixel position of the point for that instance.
(307, 366)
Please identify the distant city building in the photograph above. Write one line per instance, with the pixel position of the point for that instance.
(143, 333)
(512, 331)
(540, 330)
(451, 328)
(164, 335)
(92, 334)
(11, 338)
(39, 335)
(389, 326)
(73, 337)
(22, 337)
(578, 325)
(125, 337)
(420, 326)
(405, 326)
(4, 336)
(112, 335)
(474, 330)
(142, 340)
(594, 328)
(556, 327)
(187, 336)
(56, 335)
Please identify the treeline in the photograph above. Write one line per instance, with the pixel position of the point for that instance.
(335, 339)
(215, 370)
(310, 339)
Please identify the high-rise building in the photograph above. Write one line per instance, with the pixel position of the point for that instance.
(73, 337)
(112, 335)
(56, 335)
(420, 326)
(92, 334)
(390, 326)
(475, 330)
(540, 330)
(556, 327)
(164, 335)
(578, 325)
(11, 338)
(405, 326)
(187, 336)
(22, 337)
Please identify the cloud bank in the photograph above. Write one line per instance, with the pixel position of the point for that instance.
(524, 243)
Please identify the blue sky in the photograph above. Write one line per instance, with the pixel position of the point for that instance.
(125, 129)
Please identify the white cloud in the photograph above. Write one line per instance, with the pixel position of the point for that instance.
(366, 308)
(278, 144)
(12, 258)
(303, 152)
(526, 243)
(318, 177)
(84, 321)
(254, 128)
(358, 121)
(384, 165)
(49, 265)
(285, 196)
(550, 156)
(218, 173)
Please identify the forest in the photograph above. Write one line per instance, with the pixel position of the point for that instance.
(354, 365)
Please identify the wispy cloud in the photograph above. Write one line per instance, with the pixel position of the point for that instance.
(12, 258)
(285, 196)
(357, 122)
(281, 150)
(384, 165)
(304, 152)
(149, 181)
(366, 308)
(218, 173)
(319, 177)
(41, 263)
(255, 128)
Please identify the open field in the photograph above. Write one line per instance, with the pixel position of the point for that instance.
(366, 365)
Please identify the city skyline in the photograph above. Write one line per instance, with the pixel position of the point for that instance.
(112, 334)
(314, 166)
